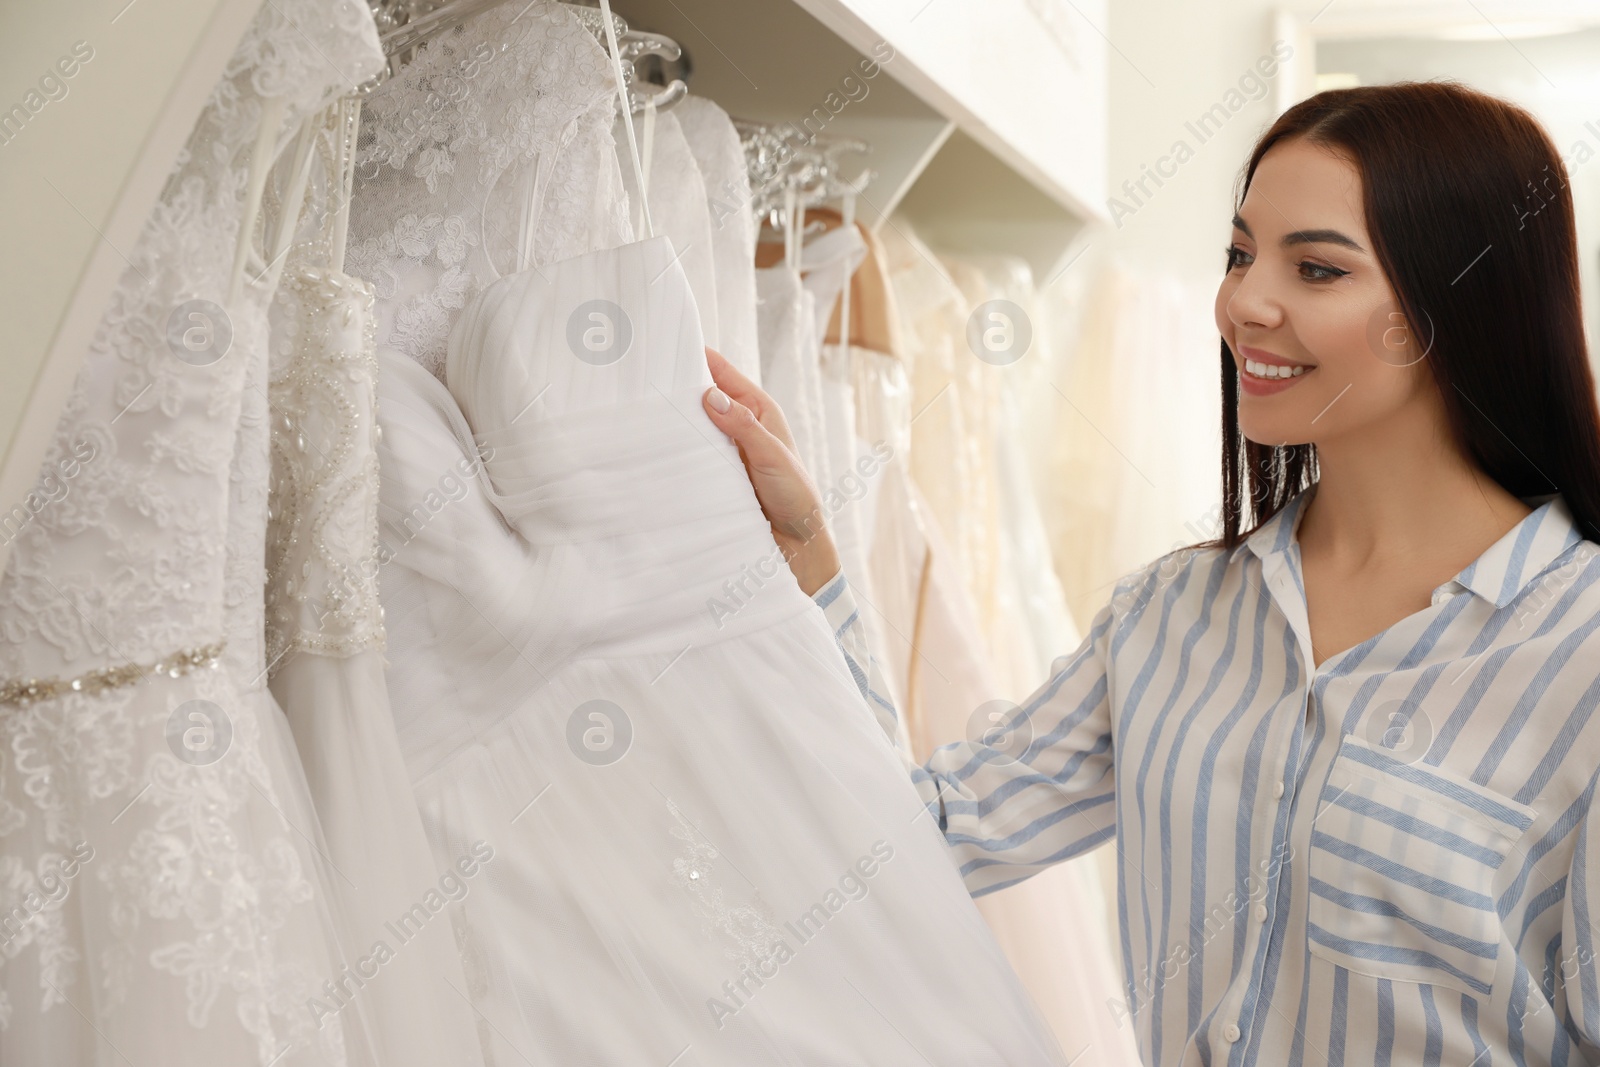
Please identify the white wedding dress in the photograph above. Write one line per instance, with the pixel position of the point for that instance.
(718, 153)
(325, 636)
(163, 892)
(701, 839)
(697, 845)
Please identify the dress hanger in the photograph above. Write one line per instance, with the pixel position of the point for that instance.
(405, 25)
(867, 298)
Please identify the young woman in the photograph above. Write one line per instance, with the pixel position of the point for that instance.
(1347, 755)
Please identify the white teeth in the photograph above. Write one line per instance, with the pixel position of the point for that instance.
(1271, 370)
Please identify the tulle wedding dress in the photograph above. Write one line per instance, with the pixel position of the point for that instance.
(701, 847)
(325, 634)
(699, 839)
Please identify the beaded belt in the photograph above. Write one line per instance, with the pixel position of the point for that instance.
(29, 690)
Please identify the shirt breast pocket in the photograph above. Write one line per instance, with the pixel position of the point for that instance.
(1402, 865)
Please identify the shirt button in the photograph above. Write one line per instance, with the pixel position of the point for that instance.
(1230, 1033)
(1261, 913)
(1277, 788)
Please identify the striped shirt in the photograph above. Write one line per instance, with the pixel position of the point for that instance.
(1381, 860)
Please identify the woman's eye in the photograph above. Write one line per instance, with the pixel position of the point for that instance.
(1316, 272)
(1235, 256)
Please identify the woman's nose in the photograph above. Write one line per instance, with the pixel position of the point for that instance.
(1253, 303)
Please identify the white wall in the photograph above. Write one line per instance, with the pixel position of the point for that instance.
(1170, 62)
(1154, 431)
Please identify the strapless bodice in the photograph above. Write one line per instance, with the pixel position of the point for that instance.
(581, 382)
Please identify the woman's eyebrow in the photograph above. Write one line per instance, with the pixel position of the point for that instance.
(1316, 237)
(1305, 237)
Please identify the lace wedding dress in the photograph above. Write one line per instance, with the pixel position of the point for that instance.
(325, 632)
(490, 152)
(162, 894)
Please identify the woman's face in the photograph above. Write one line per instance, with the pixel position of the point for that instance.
(1316, 334)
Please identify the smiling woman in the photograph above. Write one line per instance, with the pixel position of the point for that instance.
(1346, 692)
(1382, 240)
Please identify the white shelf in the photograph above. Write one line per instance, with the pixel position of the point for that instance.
(988, 124)
(1026, 79)
(988, 127)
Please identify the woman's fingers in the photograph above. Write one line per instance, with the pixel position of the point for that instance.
(731, 379)
(763, 451)
(783, 488)
(733, 382)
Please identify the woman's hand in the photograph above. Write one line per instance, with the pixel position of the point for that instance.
(789, 498)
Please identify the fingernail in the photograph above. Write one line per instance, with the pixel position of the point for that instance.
(719, 399)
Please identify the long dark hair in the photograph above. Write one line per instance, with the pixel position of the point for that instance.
(1470, 214)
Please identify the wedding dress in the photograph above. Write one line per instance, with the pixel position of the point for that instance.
(789, 371)
(1029, 624)
(163, 894)
(685, 801)
(490, 151)
(695, 841)
(720, 157)
(324, 626)
(1138, 375)
(812, 380)
(797, 298)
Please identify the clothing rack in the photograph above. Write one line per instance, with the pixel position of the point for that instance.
(406, 25)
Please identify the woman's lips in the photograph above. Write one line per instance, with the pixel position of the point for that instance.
(1263, 373)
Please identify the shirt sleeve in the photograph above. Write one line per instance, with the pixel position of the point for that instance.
(839, 608)
(1033, 784)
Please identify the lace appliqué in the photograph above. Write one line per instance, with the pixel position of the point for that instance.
(749, 930)
(322, 535)
(421, 322)
(30, 901)
(453, 147)
(182, 865)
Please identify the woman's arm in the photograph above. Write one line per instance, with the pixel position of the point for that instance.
(838, 606)
(1032, 788)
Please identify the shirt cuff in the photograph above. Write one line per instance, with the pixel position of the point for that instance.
(835, 600)
(838, 606)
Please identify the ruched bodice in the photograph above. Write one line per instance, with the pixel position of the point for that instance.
(585, 333)
(581, 383)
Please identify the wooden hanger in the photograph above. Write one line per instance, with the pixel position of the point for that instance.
(871, 304)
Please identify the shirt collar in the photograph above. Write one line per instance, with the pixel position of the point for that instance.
(1523, 553)
(1274, 536)
(1504, 569)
